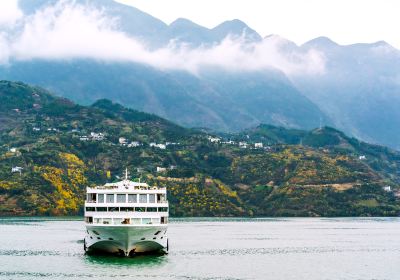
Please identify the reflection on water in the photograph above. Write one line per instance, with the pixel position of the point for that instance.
(137, 261)
(205, 249)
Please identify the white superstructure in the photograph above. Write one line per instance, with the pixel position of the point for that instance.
(126, 217)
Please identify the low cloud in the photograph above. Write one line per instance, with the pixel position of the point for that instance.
(68, 30)
(9, 12)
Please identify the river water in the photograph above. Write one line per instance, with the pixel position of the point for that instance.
(305, 248)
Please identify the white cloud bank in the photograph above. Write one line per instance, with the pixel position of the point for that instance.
(9, 12)
(69, 30)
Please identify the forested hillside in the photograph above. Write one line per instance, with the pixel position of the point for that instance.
(52, 148)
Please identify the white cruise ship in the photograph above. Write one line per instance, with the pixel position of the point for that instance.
(126, 218)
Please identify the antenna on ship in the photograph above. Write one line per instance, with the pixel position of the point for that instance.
(126, 174)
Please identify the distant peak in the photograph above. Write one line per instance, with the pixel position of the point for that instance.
(235, 23)
(321, 42)
(236, 27)
(382, 44)
(182, 22)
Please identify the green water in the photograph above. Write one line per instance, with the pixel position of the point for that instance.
(40, 248)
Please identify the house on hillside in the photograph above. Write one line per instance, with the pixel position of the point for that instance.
(171, 143)
(16, 169)
(161, 169)
(387, 188)
(243, 145)
(258, 145)
(134, 144)
(214, 139)
(160, 146)
(97, 136)
(122, 141)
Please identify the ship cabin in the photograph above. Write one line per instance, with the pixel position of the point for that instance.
(126, 203)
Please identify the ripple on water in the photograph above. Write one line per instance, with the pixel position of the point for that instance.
(40, 275)
(28, 253)
(281, 250)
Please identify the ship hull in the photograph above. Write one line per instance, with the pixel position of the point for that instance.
(126, 240)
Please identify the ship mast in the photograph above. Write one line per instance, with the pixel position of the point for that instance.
(126, 174)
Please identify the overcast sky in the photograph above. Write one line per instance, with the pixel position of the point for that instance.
(344, 21)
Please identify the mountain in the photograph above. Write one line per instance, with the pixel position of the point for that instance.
(214, 101)
(228, 77)
(359, 90)
(63, 147)
(186, 98)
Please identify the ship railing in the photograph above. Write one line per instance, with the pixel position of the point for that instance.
(134, 187)
(150, 209)
(128, 221)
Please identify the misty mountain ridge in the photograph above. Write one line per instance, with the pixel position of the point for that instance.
(227, 78)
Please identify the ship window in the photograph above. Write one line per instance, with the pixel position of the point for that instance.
(164, 220)
(146, 221)
(143, 198)
(107, 221)
(132, 198)
(97, 221)
(155, 220)
(91, 198)
(135, 221)
(90, 209)
(151, 209)
(121, 198)
(140, 209)
(101, 209)
(161, 198)
(152, 198)
(89, 220)
(117, 221)
(110, 198)
(113, 209)
(100, 198)
(162, 209)
(126, 209)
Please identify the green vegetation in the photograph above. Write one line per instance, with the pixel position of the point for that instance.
(63, 147)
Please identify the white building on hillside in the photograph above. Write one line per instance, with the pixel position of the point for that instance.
(214, 139)
(122, 141)
(134, 144)
(258, 145)
(161, 169)
(97, 136)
